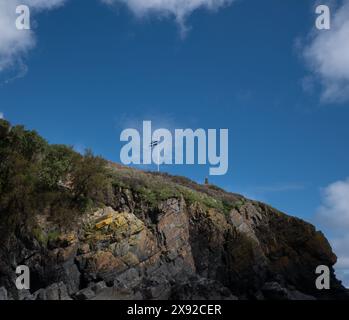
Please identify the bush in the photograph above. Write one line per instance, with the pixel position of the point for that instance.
(57, 166)
(36, 177)
(90, 180)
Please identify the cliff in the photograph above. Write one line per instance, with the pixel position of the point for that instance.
(148, 236)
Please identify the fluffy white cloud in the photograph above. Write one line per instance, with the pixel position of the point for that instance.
(179, 9)
(14, 44)
(1, 115)
(328, 56)
(335, 208)
(340, 247)
(334, 216)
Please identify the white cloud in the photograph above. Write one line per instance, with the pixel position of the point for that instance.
(15, 44)
(179, 9)
(1, 115)
(335, 208)
(340, 247)
(334, 216)
(328, 56)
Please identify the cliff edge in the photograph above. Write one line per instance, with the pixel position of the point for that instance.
(91, 229)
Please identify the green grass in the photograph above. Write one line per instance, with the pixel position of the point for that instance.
(154, 188)
(237, 205)
(53, 235)
(44, 238)
(39, 235)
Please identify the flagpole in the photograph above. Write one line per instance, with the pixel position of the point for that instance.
(153, 145)
(158, 159)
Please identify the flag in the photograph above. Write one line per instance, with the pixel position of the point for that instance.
(154, 143)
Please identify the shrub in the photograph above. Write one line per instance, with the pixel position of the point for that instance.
(37, 177)
(57, 166)
(90, 179)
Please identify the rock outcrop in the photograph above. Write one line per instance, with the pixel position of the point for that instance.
(178, 249)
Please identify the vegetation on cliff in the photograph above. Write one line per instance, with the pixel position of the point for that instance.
(88, 228)
(37, 177)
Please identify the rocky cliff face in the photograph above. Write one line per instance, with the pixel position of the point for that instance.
(177, 247)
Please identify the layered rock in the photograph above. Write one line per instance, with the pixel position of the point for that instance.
(175, 250)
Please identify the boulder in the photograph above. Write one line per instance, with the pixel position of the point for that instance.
(3, 294)
(56, 291)
(85, 294)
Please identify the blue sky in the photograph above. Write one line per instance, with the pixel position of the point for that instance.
(96, 69)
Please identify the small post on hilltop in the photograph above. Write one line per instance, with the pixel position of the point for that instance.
(206, 181)
(158, 159)
(153, 145)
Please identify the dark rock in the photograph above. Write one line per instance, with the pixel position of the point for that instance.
(56, 291)
(156, 288)
(201, 289)
(85, 294)
(274, 291)
(25, 295)
(98, 287)
(3, 294)
(297, 295)
(71, 276)
(177, 248)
